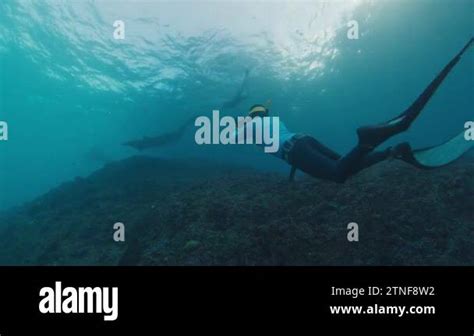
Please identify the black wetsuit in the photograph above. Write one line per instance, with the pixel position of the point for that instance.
(317, 160)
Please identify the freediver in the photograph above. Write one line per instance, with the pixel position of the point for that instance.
(312, 157)
(307, 154)
(175, 136)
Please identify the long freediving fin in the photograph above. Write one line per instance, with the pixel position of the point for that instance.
(435, 156)
(372, 136)
(410, 114)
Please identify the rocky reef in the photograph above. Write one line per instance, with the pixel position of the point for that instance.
(203, 213)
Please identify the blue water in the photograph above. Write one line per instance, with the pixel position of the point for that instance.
(72, 94)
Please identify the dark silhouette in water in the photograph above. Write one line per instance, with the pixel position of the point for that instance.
(175, 136)
(160, 140)
(312, 157)
(239, 96)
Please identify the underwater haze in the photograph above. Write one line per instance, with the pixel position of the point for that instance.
(79, 103)
(72, 94)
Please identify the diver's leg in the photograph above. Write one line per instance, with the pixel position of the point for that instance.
(307, 156)
(358, 159)
(323, 149)
(370, 159)
(353, 162)
(372, 136)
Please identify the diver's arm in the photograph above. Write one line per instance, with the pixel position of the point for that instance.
(239, 95)
(243, 85)
(239, 130)
(244, 81)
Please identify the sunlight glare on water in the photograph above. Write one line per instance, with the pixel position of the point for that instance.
(290, 37)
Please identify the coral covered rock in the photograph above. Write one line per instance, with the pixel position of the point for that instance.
(188, 213)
